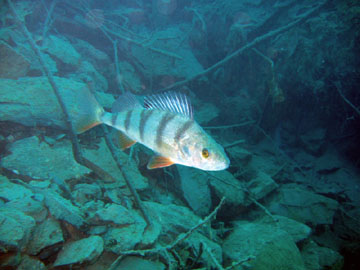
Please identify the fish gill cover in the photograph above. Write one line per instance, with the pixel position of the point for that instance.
(273, 86)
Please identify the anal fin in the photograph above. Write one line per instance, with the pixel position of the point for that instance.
(123, 140)
(159, 162)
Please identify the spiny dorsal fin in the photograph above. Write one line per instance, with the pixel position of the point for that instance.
(125, 102)
(159, 162)
(170, 101)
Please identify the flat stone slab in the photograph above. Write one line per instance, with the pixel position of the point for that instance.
(81, 251)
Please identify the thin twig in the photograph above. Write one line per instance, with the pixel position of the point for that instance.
(338, 88)
(164, 250)
(124, 175)
(202, 222)
(231, 126)
(233, 144)
(234, 264)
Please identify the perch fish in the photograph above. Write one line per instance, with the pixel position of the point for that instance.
(162, 122)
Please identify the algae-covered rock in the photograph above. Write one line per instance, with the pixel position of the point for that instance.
(81, 251)
(226, 185)
(114, 213)
(15, 228)
(174, 219)
(304, 206)
(30, 207)
(164, 58)
(32, 102)
(103, 158)
(43, 159)
(210, 248)
(270, 247)
(30, 263)
(63, 209)
(196, 191)
(318, 258)
(298, 231)
(261, 185)
(46, 234)
(135, 263)
(13, 64)
(62, 50)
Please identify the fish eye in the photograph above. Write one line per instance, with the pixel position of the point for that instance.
(205, 153)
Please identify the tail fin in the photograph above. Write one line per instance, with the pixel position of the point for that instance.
(88, 114)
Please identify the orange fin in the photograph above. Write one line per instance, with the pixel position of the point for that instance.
(124, 141)
(159, 162)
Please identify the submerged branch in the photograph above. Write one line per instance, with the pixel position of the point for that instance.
(356, 109)
(247, 46)
(164, 250)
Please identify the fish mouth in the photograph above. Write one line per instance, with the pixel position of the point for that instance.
(220, 166)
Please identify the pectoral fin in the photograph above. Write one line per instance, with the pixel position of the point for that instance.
(159, 162)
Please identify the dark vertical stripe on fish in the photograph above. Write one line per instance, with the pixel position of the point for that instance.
(167, 117)
(144, 116)
(114, 117)
(181, 130)
(127, 120)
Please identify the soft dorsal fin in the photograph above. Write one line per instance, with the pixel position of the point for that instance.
(170, 101)
(125, 102)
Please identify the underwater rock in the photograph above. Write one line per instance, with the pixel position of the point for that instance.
(81, 251)
(226, 185)
(102, 158)
(261, 185)
(328, 163)
(13, 64)
(114, 213)
(83, 193)
(302, 205)
(10, 192)
(314, 141)
(298, 231)
(136, 263)
(15, 228)
(31, 101)
(87, 73)
(206, 112)
(30, 207)
(130, 78)
(63, 209)
(43, 159)
(196, 191)
(126, 236)
(197, 239)
(119, 239)
(160, 60)
(97, 57)
(61, 50)
(240, 155)
(30, 263)
(270, 247)
(174, 219)
(11, 233)
(318, 258)
(46, 234)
